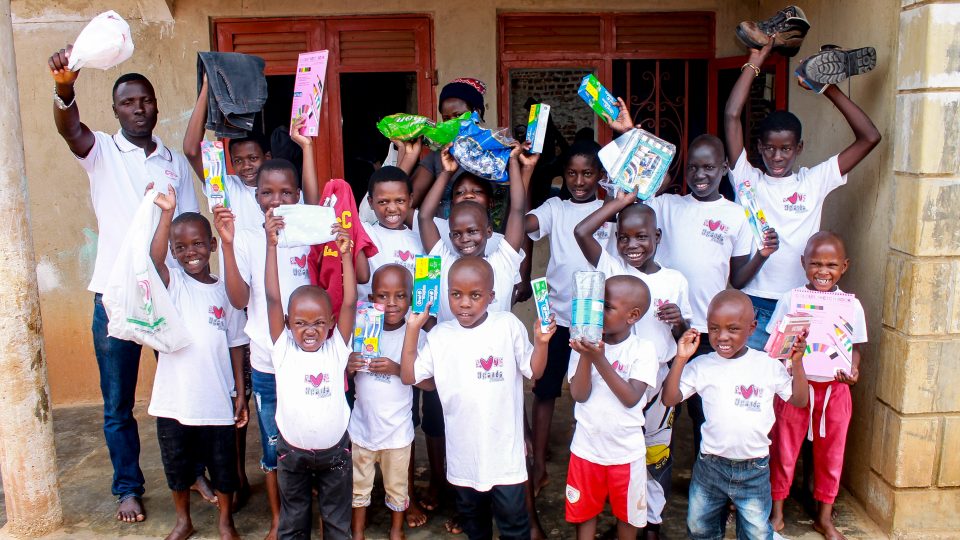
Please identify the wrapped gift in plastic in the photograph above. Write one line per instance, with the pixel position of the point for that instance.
(104, 43)
(482, 152)
(637, 161)
(404, 127)
(588, 289)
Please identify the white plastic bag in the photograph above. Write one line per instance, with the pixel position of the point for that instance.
(138, 305)
(305, 224)
(104, 43)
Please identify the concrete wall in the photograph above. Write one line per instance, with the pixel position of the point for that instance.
(63, 222)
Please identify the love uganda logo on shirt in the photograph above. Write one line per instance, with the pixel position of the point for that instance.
(489, 368)
(748, 397)
(317, 385)
(715, 230)
(217, 317)
(795, 203)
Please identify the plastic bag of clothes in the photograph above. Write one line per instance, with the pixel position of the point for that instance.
(104, 43)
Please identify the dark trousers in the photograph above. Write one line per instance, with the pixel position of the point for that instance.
(119, 363)
(505, 504)
(331, 472)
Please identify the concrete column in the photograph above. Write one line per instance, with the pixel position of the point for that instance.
(28, 461)
(914, 463)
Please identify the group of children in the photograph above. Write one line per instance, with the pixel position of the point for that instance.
(676, 327)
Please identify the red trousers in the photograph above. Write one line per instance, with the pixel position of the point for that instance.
(827, 418)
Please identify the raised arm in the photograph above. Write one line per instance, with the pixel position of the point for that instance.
(867, 136)
(686, 347)
(584, 230)
(193, 136)
(78, 136)
(271, 276)
(429, 234)
(348, 309)
(411, 338)
(800, 396)
(238, 291)
(745, 267)
(515, 231)
(421, 179)
(732, 128)
(160, 245)
(310, 183)
(408, 154)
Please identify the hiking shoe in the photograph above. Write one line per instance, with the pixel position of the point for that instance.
(830, 66)
(789, 24)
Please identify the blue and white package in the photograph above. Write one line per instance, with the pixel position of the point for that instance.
(482, 152)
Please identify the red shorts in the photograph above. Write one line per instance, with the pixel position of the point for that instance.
(589, 485)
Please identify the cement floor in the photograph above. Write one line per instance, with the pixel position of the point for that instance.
(85, 474)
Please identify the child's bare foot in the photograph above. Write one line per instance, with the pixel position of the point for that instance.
(240, 497)
(181, 531)
(358, 535)
(272, 534)
(414, 515)
(828, 530)
(397, 534)
(540, 478)
(453, 525)
(203, 487)
(228, 532)
(776, 516)
(131, 510)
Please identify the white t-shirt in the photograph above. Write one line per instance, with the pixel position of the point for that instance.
(194, 385)
(557, 220)
(119, 173)
(382, 413)
(506, 273)
(312, 411)
(737, 398)
(793, 206)
(250, 250)
(698, 240)
(667, 286)
(479, 376)
(394, 246)
(607, 432)
(859, 323)
(444, 227)
(243, 202)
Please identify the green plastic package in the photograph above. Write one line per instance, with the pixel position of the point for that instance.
(404, 127)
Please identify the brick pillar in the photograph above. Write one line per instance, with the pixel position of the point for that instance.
(914, 488)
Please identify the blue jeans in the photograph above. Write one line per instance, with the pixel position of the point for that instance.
(265, 396)
(764, 308)
(119, 363)
(237, 91)
(745, 482)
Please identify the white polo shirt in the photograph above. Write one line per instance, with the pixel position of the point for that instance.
(119, 173)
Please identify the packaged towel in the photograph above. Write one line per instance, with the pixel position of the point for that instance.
(103, 43)
(305, 224)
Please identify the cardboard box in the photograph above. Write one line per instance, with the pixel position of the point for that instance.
(537, 126)
(426, 284)
(599, 98)
(541, 298)
(308, 90)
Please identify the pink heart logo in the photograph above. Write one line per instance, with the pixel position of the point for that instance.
(316, 380)
(486, 364)
(216, 311)
(617, 366)
(793, 198)
(713, 224)
(404, 255)
(746, 391)
(301, 260)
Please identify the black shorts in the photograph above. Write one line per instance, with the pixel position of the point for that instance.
(182, 448)
(550, 385)
(432, 418)
(416, 407)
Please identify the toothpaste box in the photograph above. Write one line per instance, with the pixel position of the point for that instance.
(214, 167)
(426, 284)
(366, 332)
(542, 300)
(537, 126)
(599, 98)
(308, 90)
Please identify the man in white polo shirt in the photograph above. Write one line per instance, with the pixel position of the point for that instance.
(120, 167)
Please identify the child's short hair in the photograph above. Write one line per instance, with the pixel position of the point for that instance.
(485, 185)
(309, 291)
(393, 267)
(251, 138)
(824, 237)
(587, 148)
(130, 77)
(713, 141)
(732, 296)
(281, 165)
(478, 264)
(193, 217)
(638, 209)
(470, 207)
(389, 173)
(780, 121)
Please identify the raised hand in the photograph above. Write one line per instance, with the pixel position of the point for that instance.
(166, 201)
(223, 221)
(771, 242)
(295, 133)
(543, 335)
(688, 344)
(623, 122)
(450, 164)
(272, 226)
(343, 240)
(58, 63)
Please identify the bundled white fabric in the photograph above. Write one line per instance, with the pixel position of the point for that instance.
(104, 43)
(137, 303)
(305, 224)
